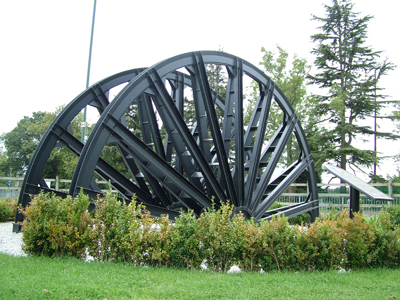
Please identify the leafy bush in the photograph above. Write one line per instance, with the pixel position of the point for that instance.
(185, 238)
(279, 244)
(40, 211)
(8, 208)
(217, 238)
(394, 212)
(386, 248)
(334, 213)
(108, 229)
(276, 205)
(321, 246)
(251, 245)
(68, 230)
(358, 240)
(135, 228)
(304, 218)
(56, 226)
(128, 233)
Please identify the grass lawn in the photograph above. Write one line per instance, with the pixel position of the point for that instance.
(47, 278)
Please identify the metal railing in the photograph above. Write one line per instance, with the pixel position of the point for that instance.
(57, 184)
(332, 196)
(336, 197)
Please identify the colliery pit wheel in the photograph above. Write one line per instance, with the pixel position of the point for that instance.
(192, 145)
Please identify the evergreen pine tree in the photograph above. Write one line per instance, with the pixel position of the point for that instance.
(349, 72)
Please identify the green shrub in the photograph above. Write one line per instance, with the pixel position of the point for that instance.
(394, 212)
(40, 211)
(56, 226)
(386, 248)
(159, 238)
(185, 237)
(304, 218)
(68, 231)
(321, 246)
(276, 205)
(8, 208)
(334, 213)
(217, 238)
(251, 244)
(279, 244)
(109, 228)
(359, 240)
(128, 233)
(133, 225)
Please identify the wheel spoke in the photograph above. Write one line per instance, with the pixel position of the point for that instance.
(182, 139)
(254, 164)
(226, 181)
(156, 166)
(276, 147)
(278, 186)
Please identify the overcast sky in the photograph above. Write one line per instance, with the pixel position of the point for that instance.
(45, 44)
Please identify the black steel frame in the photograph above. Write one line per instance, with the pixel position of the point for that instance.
(192, 168)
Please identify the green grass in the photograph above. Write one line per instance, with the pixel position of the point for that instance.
(47, 278)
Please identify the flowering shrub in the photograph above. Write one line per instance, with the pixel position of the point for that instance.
(128, 233)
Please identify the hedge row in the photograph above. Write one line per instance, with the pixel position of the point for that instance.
(127, 233)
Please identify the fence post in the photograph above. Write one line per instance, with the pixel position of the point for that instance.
(390, 189)
(57, 179)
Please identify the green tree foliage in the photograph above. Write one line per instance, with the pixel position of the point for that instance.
(349, 72)
(21, 142)
(3, 164)
(217, 79)
(133, 120)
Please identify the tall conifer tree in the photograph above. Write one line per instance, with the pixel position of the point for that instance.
(349, 72)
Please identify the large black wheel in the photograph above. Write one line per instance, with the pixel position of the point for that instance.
(194, 147)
